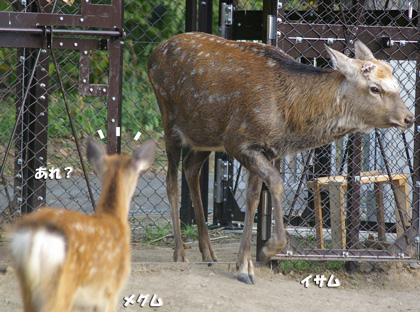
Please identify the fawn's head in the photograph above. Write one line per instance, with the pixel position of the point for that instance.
(121, 169)
(372, 89)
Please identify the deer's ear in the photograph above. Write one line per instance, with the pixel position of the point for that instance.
(362, 52)
(342, 63)
(144, 156)
(95, 154)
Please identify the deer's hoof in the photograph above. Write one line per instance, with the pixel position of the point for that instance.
(247, 279)
(180, 257)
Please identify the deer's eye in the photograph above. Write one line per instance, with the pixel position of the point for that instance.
(374, 90)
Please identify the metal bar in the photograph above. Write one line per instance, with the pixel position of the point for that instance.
(191, 15)
(416, 156)
(18, 117)
(115, 95)
(100, 16)
(408, 36)
(76, 140)
(263, 219)
(75, 32)
(407, 155)
(302, 179)
(36, 42)
(353, 190)
(205, 13)
(37, 135)
(264, 211)
(238, 175)
(204, 25)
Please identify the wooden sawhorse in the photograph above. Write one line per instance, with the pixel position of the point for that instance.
(337, 186)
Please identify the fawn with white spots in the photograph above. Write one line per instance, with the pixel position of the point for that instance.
(257, 104)
(65, 259)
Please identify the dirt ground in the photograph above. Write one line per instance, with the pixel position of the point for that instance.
(197, 287)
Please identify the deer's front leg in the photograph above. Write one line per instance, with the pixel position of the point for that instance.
(260, 167)
(244, 264)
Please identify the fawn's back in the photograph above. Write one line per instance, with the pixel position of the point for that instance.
(64, 258)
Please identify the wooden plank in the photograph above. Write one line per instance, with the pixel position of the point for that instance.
(318, 218)
(380, 213)
(337, 213)
(402, 194)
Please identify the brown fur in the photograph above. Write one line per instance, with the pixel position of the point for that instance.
(256, 103)
(97, 252)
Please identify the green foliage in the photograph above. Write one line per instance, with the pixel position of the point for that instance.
(304, 266)
(156, 235)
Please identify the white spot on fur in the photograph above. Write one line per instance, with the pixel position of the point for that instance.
(271, 63)
(235, 94)
(180, 136)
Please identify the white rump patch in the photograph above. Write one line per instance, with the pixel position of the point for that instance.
(38, 253)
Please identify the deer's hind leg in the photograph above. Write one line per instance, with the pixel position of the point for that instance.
(193, 162)
(173, 151)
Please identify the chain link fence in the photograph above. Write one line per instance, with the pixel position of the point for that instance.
(358, 192)
(147, 23)
(318, 191)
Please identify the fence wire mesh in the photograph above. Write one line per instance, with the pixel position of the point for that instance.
(316, 200)
(357, 192)
(147, 23)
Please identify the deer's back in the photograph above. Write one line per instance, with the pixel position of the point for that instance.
(207, 86)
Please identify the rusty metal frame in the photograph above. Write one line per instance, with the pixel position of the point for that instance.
(339, 37)
(42, 29)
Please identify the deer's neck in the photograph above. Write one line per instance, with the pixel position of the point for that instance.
(114, 198)
(322, 110)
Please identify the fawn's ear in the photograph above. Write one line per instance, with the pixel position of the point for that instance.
(95, 154)
(144, 156)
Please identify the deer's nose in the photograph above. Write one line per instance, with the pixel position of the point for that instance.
(409, 121)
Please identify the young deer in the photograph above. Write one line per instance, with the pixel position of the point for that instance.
(257, 104)
(65, 259)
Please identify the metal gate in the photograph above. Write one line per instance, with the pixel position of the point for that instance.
(53, 39)
(363, 196)
(358, 198)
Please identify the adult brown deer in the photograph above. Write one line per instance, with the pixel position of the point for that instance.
(65, 259)
(257, 104)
